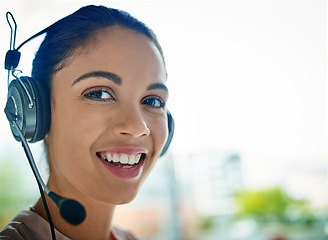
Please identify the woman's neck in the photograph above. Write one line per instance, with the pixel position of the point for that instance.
(97, 224)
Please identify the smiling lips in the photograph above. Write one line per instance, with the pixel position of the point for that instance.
(123, 163)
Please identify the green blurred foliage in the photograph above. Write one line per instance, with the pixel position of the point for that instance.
(206, 222)
(13, 198)
(270, 203)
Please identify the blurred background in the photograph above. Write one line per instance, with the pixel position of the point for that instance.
(248, 91)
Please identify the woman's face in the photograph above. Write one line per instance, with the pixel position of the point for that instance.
(108, 118)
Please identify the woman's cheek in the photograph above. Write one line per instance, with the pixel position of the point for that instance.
(160, 132)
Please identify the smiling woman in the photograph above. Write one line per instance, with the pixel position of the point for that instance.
(106, 77)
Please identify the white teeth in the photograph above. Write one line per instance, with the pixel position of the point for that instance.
(116, 158)
(127, 166)
(132, 159)
(124, 158)
(138, 158)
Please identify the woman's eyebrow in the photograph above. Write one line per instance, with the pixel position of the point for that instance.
(157, 86)
(110, 76)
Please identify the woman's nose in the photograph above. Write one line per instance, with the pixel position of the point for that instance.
(131, 123)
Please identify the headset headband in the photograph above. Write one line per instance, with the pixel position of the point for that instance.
(13, 54)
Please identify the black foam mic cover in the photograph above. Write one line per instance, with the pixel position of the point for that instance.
(71, 210)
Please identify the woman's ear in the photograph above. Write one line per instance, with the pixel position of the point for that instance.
(46, 139)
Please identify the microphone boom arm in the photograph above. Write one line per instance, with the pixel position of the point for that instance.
(36, 173)
(72, 211)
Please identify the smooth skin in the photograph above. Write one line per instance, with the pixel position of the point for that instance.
(123, 107)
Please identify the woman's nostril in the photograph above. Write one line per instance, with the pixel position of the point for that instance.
(133, 129)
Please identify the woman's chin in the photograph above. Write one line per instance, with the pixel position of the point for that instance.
(119, 200)
(126, 198)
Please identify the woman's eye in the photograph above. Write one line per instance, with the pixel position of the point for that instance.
(98, 95)
(154, 102)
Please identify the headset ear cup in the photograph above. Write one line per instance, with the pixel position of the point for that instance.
(171, 126)
(33, 120)
(43, 112)
(17, 109)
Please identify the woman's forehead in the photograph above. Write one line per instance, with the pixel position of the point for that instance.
(117, 43)
(119, 50)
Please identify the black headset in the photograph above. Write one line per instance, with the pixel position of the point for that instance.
(28, 101)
